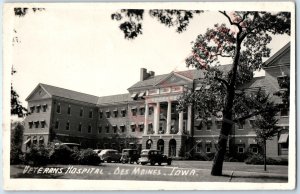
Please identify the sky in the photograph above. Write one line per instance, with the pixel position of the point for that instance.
(83, 49)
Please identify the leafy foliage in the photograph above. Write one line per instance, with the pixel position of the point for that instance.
(88, 157)
(37, 155)
(22, 11)
(16, 106)
(16, 143)
(131, 19)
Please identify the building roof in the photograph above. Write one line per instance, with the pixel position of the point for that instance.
(190, 74)
(70, 94)
(278, 54)
(114, 99)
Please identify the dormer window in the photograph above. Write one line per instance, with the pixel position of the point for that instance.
(32, 108)
(115, 113)
(38, 108)
(44, 107)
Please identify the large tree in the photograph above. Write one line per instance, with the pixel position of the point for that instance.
(245, 40)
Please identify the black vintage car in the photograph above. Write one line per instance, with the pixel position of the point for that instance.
(130, 156)
(153, 157)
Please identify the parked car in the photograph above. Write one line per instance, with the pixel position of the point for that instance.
(153, 157)
(73, 146)
(97, 151)
(109, 155)
(130, 156)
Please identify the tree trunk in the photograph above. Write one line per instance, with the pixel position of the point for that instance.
(265, 155)
(227, 115)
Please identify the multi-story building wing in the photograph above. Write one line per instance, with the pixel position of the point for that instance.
(147, 117)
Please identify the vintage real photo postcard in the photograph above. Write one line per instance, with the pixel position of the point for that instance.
(149, 96)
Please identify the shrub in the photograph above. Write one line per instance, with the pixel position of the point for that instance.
(37, 155)
(16, 155)
(62, 154)
(88, 157)
(259, 160)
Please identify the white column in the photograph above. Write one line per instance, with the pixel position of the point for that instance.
(189, 120)
(180, 124)
(146, 119)
(169, 117)
(156, 117)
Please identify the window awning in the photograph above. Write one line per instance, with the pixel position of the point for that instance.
(41, 138)
(132, 124)
(208, 141)
(141, 94)
(30, 122)
(122, 125)
(283, 138)
(27, 141)
(34, 138)
(199, 141)
(142, 106)
(115, 110)
(107, 110)
(252, 141)
(134, 95)
(36, 121)
(141, 123)
(114, 125)
(44, 104)
(123, 109)
(43, 121)
(134, 107)
(38, 105)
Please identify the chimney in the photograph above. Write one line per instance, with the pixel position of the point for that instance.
(151, 73)
(143, 74)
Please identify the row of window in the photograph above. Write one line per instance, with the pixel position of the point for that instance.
(107, 128)
(218, 123)
(115, 113)
(38, 108)
(208, 148)
(69, 111)
(37, 124)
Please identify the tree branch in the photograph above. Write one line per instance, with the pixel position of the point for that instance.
(230, 21)
(222, 80)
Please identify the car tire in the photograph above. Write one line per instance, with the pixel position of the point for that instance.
(169, 163)
(159, 163)
(152, 163)
(137, 162)
(108, 160)
(143, 163)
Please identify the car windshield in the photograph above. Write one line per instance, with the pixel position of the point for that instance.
(145, 152)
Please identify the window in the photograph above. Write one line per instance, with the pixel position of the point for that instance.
(81, 112)
(219, 124)
(150, 110)
(107, 129)
(208, 148)
(123, 112)
(142, 111)
(89, 129)
(133, 111)
(69, 110)
(34, 140)
(133, 126)
(284, 112)
(241, 125)
(32, 109)
(44, 107)
(115, 128)
(116, 113)
(68, 125)
(252, 123)
(254, 150)
(43, 123)
(56, 124)
(108, 114)
(141, 126)
(79, 127)
(208, 125)
(38, 108)
(100, 129)
(199, 147)
(58, 108)
(91, 114)
(30, 124)
(240, 149)
(122, 128)
(198, 124)
(36, 123)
